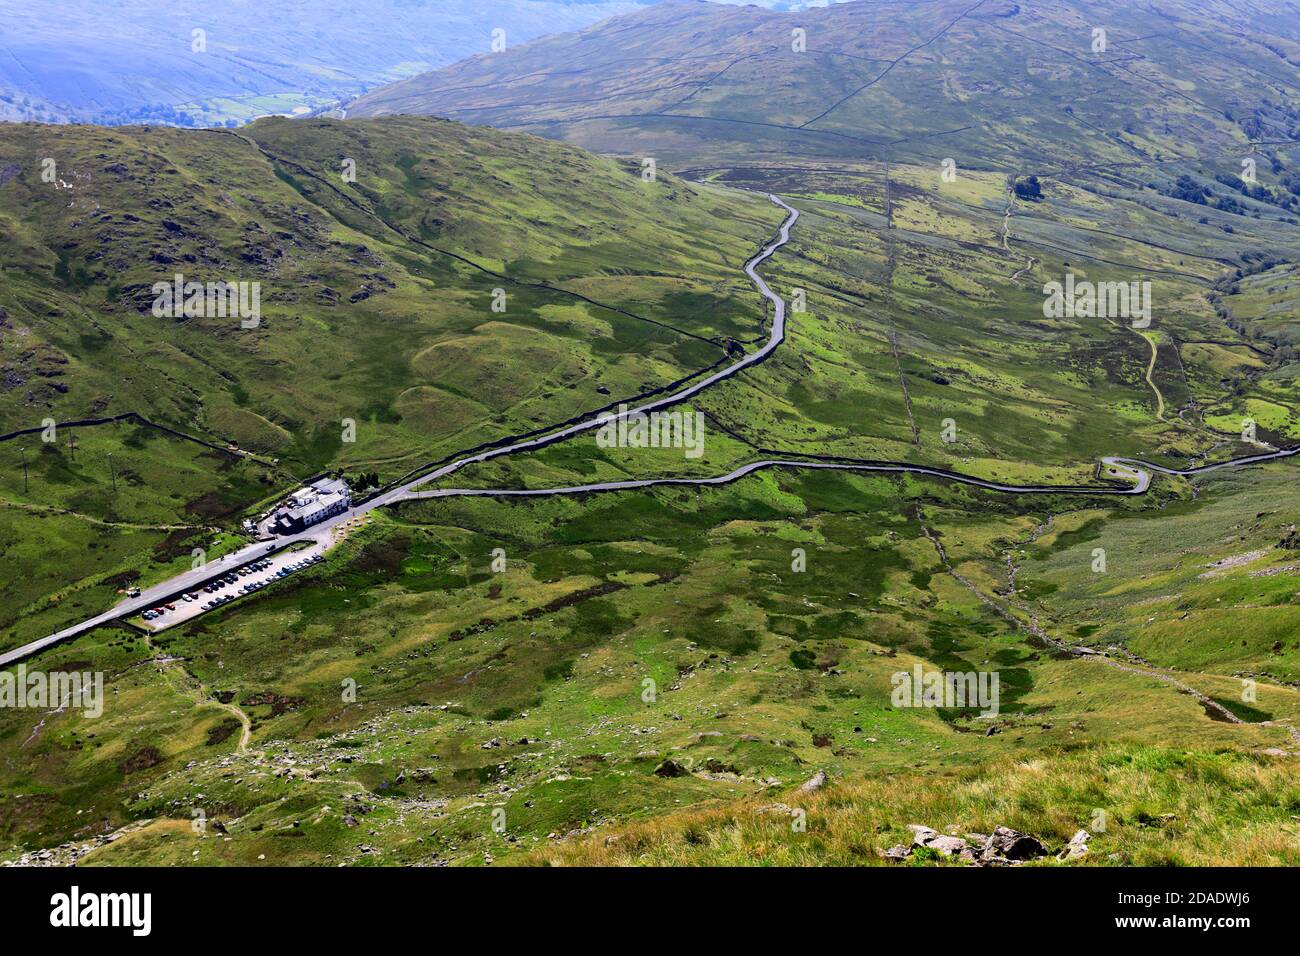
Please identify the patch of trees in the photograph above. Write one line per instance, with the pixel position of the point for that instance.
(1028, 189)
(1188, 190)
(1256, 192)
(363, 480)
(1230, 205)
(1290, 182)
(156, 114)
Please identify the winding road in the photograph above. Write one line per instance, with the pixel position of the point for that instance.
(1135, 472)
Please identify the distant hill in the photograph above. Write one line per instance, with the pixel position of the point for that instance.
(73, 66)
(994, 82)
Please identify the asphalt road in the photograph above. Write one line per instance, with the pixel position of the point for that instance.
(1141, 478)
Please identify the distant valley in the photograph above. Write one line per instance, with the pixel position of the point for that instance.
(190, 63)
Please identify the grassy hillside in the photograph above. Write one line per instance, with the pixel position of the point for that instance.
(376, 308)
(132, 207)
(1205, 585)
(925, 284)
(652, 673)
(525, 691)
(1148, 806)
(934, 313)
(522, 690)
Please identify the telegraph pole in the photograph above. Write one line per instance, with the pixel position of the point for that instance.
(24, 451)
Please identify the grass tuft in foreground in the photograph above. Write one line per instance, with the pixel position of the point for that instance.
(1161, 807)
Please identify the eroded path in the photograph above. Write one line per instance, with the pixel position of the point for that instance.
(185, 683)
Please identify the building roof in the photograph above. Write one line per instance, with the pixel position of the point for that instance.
(330, 486)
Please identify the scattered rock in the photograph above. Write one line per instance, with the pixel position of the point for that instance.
(921, 835)
(948, 845)
(1003, 847)
(68, 854)
(1232, 561)
(1007, 845)
(945, 845)
(670, 768)
(814, 783)
(1077, 847)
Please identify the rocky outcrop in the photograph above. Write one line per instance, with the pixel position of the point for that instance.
(670, 768)
(1003, 847)
(68, 854)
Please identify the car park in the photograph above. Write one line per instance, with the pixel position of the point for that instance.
(248, 579)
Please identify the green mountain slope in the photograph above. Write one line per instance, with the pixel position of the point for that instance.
(694, 82)
(378, 280)
(377, 318)
(649, 675)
